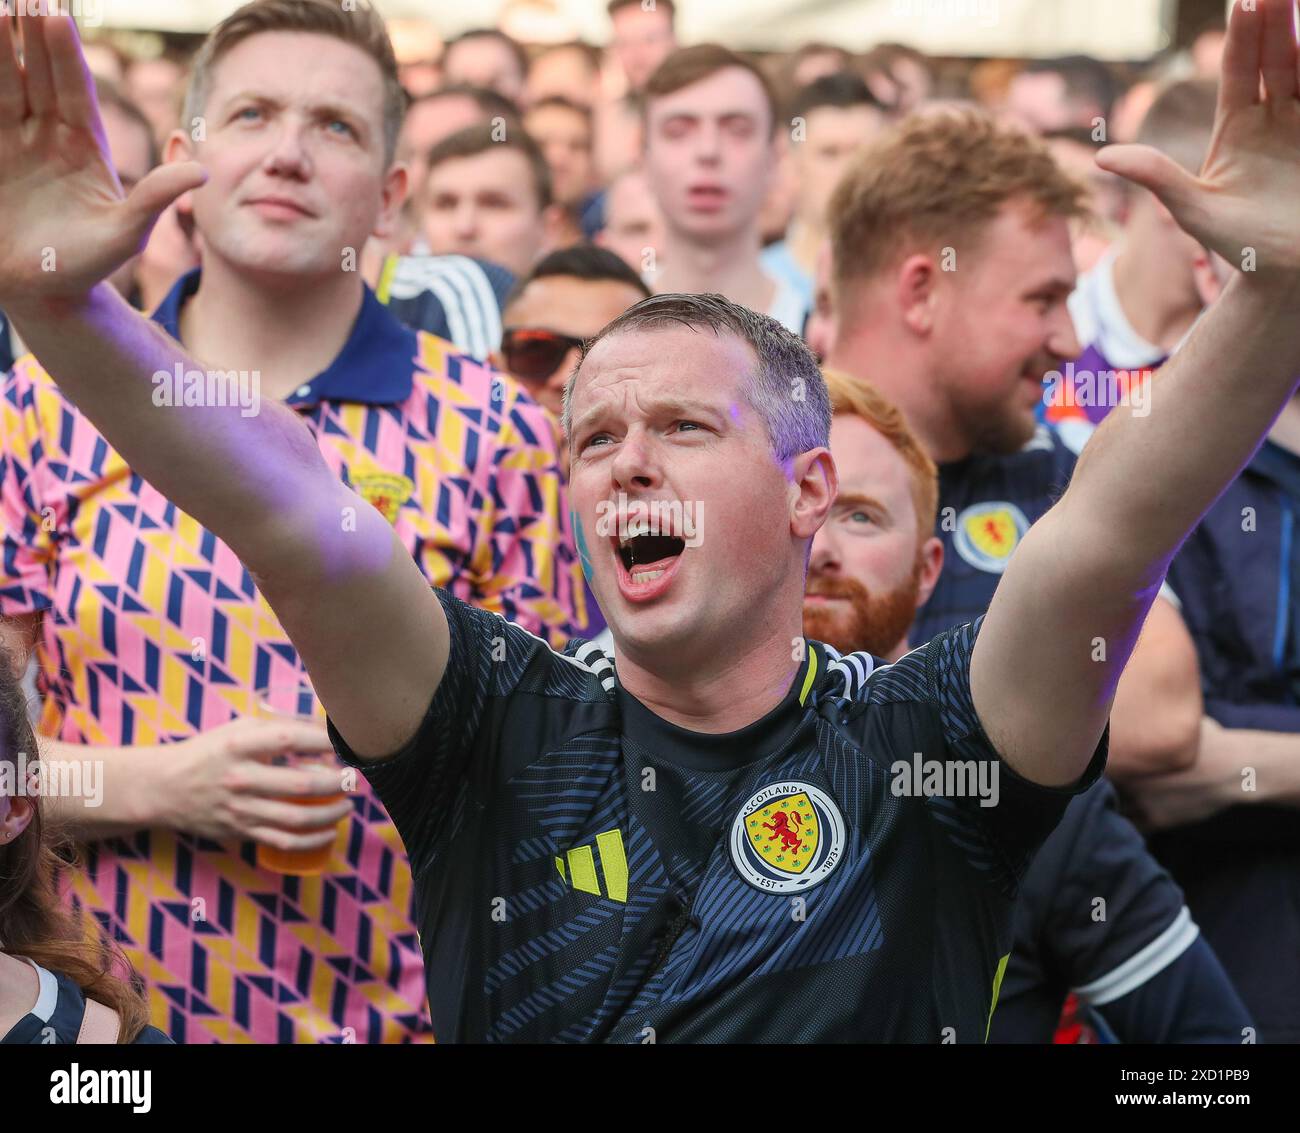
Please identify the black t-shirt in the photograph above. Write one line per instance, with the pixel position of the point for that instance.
(586, 871)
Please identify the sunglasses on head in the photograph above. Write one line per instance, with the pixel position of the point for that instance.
(534, 355)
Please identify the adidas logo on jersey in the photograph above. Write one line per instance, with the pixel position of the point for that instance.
(578, 867)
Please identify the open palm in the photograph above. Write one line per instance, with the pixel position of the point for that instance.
(67, 224)
(1245, 204)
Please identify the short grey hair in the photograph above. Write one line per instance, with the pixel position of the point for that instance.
(786, 389)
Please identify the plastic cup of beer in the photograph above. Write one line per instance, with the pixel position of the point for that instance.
(297, 700)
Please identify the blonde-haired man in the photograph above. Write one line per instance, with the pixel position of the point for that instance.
(950, 273)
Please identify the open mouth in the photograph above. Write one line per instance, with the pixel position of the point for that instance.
(647, 557)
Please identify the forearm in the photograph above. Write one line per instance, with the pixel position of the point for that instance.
(240, 476)
(1234, 767)
(95, 792)
(1255, 766)
(1143, 483)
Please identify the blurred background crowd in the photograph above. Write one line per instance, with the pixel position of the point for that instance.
(575, 167)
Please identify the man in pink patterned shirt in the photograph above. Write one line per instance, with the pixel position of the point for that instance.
(151, 638)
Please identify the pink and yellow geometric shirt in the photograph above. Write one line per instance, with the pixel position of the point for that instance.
(152, 632)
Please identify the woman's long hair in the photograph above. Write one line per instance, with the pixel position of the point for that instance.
(34, 922)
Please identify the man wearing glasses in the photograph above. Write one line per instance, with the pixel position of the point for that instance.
(565, 299)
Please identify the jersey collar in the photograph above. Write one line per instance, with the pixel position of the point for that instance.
(375, 367)
(711, 751)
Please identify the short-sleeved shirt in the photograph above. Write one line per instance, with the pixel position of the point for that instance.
(56, 1017)
(154, 632)
(1098, 916)
(587, 871)
(986, 505)
(1238, 579)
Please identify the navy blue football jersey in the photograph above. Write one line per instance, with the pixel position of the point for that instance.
(1100, 917)
(986, 505)
(588, 872)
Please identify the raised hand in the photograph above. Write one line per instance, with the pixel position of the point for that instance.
(1245, 204)
(66, 222)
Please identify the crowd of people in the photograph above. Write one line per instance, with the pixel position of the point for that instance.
(711, 397)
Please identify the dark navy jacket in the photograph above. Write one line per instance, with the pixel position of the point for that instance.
(454, 297)
(1099, 917)
(1237, 577)
(986, 504)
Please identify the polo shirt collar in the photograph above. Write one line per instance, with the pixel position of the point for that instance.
(375, 367)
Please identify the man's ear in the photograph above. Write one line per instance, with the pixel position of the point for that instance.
(915, 288)
(815, 483)
(931, 559)
(1207, 286)
(397, 182)
(179, 146)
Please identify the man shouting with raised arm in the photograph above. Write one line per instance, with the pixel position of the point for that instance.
(732, 835)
